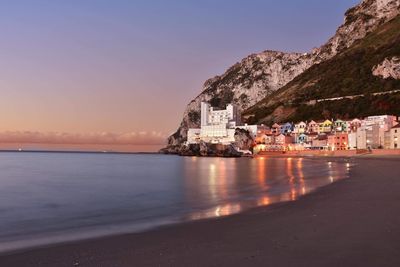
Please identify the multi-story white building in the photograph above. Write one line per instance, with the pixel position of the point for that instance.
(395, 137)
(218, 125)
(352, 139)
(375, 128)
(361, 138)
(385, 122)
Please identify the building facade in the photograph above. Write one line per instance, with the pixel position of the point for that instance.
(338, 141)
(395, 137)
(218, 125)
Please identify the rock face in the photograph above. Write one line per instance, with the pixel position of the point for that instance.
(359, 21)
(259, 75)
(389, 68)
(243, 140)
(349, 73)
(244, 84)
(208, 150)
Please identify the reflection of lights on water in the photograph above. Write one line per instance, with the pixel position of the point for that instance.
(218, 180)
(219, 211)
(348, 166)
(289, 172)
(301, 175)
(212, 181)
(228, 209)
(303, 190)
(262, 173)
(293, 194)
(221, 183)
(264, 201)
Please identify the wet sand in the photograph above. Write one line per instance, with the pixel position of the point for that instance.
(354, 222)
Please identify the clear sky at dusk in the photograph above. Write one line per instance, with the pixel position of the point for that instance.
(128, 67)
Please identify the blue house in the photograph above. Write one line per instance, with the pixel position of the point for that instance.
(287, 128)
(301, 138)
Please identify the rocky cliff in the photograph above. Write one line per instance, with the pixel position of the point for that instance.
(243, 142)
(244, 84)
(389, 68)
(359, 21)
(259, 75)
(367, 67)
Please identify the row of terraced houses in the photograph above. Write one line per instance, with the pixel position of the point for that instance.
(372, 132)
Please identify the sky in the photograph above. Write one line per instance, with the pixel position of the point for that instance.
(120, 72)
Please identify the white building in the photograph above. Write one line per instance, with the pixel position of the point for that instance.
(385, 122)
(218, 126)
(395, 137)
(193, 136)
(352, 139)
(361, 138)
(375, 128)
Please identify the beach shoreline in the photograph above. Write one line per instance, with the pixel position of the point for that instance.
(279, 233)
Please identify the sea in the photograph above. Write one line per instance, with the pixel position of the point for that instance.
(48, 198)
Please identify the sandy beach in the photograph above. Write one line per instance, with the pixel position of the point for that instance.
(353, 222)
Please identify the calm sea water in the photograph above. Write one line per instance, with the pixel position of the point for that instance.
(55, 197)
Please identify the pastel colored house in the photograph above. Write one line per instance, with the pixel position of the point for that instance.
(312, 127)
(283, 140)
(340, 126)
(287, 128)
(353, 125)
(301, 138)
(276, 129)
(325, 126)
(300, 127)
(266, 139)
(320, 142)
(262, 129)
(338, 141)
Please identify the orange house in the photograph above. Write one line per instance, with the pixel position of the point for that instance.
(338, 141)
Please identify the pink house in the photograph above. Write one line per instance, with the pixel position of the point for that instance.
(320, 142)
(312, 127)
(283, 140)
